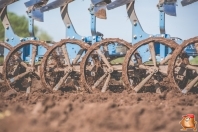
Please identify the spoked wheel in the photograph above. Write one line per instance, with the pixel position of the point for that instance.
(18, 74)
(8, 47)
(143, 69)
(101, 68)
(60, 68)
(184, 68)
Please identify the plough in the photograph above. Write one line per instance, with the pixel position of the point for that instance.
(88, 62)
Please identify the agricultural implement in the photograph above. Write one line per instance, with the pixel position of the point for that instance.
(6, 24)
(88, 62)
(183, 70)
(20, 64)
(63, 70)
(139, 72)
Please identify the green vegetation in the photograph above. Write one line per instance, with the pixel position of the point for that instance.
(20, 27)
(117, 60)
(194, 60)
(121, 60)
(1, 61)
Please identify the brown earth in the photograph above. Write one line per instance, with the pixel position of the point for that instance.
(97, 112)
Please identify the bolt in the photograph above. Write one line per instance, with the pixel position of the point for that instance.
(68, 25)
(110, 70)
(73, 37)
(7, 27)
(83, 38)
(140, 36)
(135, 37)
(12, 38)
(7, 39)
(150, 36)
(70, 70)
(135, 23)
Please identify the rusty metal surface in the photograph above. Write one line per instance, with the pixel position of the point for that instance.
(82, 44)
(167, 42)
(6, 45)
(84, 83)
(176, 53)
(101, 14)
(9, 47)
(13, 52)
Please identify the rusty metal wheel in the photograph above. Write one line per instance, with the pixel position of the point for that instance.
(143, 69)
(184, 68)
(19, 74)
(101, 69)
(60, 68)
(8, 47)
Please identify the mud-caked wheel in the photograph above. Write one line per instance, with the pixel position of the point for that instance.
(19, 74)
(101, 67)
(143, 69)
(8, 47)
(60, 67)
(184, 66)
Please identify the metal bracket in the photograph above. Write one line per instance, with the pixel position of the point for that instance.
(10, 36)
(71, 32)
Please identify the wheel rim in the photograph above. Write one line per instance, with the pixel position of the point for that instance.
(137, 74)
(183, 70)
(100, 72)
(65, 74)
(8, 47)
(18, 74)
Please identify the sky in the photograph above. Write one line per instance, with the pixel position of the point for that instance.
(117, 24)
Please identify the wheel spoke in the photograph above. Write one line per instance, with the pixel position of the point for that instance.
(80, 52)
(62, 80)
(99, 81)
(152, 51)
(191, 67)
(143, 67)
(28, 90)
(37, 73)
(104, 88)
(15, 70)
(20, 61)
(103, 58)
(166, 59)
(163, 72)
(65, 53)
(143, 82)
(190, 85)
(157, 86)
(14, 79)
(34, 49)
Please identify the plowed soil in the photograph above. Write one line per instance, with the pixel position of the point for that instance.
(96, 112)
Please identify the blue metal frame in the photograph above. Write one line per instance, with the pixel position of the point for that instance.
(71, 32)
(13, 39)
(10, 36)
(139, 34)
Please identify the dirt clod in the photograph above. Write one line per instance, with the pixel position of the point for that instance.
(84, 112)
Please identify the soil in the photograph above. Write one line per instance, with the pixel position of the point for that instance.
(97, 112)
